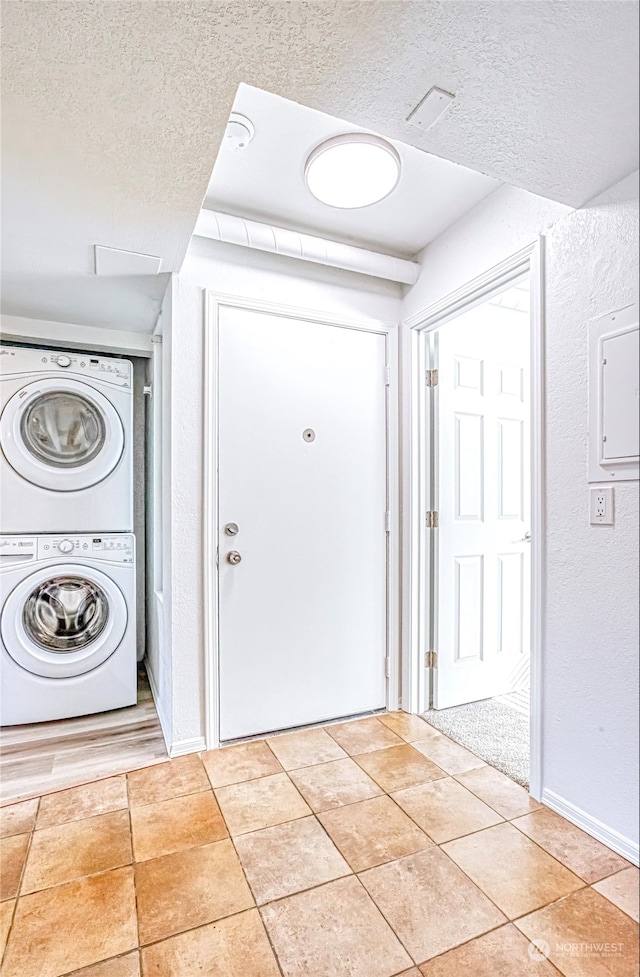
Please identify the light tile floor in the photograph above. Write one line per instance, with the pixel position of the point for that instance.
(374, 848)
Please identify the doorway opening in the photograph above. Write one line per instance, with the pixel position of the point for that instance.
(479, 497)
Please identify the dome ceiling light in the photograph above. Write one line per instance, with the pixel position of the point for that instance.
(352, 170)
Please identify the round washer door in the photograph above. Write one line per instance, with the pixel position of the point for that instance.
(61, 434)
(63, 620)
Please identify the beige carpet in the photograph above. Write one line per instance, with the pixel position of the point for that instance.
(492, 729)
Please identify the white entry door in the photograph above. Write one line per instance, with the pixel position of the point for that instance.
(303, 478)
(483, 499)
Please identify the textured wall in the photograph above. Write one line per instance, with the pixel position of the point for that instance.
(590, 653)
(250, 274)
(590, 680)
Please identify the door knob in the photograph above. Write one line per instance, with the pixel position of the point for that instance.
(233, 557)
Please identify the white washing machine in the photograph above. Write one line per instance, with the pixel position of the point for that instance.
(68, 629)
(66, 426)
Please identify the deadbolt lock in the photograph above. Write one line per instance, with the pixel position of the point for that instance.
(233, 557)
(231, 529)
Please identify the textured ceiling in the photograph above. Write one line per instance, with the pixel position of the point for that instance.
(113, 111)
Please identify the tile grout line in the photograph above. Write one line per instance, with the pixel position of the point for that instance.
(472, 939)
(18, 894)
(133, 869)
(253, 895)
(461, 745)
(242, 869)
(60, 788)
(487, 896)
(475, 885)
(573, 872)
(593, 886)
(388, 922)
(118, 956)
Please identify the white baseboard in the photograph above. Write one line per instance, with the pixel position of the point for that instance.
(601, 832)
(165, 725)
(195, 745)
(181, 747)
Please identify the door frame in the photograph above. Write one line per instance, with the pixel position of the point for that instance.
(214, 302)
(418, 429)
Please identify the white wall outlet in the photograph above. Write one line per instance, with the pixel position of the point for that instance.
(601, 506)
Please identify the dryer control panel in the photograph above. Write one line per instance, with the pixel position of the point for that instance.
(114, 548)
(17, 360)
(111, 548)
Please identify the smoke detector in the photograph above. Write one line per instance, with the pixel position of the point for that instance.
(239, 132)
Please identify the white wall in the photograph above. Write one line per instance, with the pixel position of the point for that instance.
(501, 224)
(590, 654)
(159, 522)
(250, 274)
(590, 679)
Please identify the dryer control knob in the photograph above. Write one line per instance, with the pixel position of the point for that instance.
(66, 546)
(63, 361)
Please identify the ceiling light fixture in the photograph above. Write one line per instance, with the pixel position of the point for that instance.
(352, 170)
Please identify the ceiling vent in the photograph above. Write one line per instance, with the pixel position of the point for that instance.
(429, 110)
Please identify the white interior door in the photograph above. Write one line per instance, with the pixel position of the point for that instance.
(483, 500)
(303, 475)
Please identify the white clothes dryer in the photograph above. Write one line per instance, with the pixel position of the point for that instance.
(67, 626)
(66, 429)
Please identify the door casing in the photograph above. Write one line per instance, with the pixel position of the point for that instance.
(214, 302)
(418, 429)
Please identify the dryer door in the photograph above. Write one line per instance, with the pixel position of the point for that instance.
(63, 620)
(61, 434)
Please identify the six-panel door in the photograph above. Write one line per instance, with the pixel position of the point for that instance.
(483, 480)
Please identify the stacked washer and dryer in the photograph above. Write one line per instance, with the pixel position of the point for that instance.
(67, 549)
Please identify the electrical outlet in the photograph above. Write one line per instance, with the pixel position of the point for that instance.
(601, 506)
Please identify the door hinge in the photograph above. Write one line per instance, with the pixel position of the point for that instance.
(431, 518)
(432, 378)
(431, 659)
(387, 667)
(387, 375)
(387, 522)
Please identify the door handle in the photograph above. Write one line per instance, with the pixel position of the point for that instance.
(525, 539)
(233, 557)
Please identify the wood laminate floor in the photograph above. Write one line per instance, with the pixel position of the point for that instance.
(40, 758)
